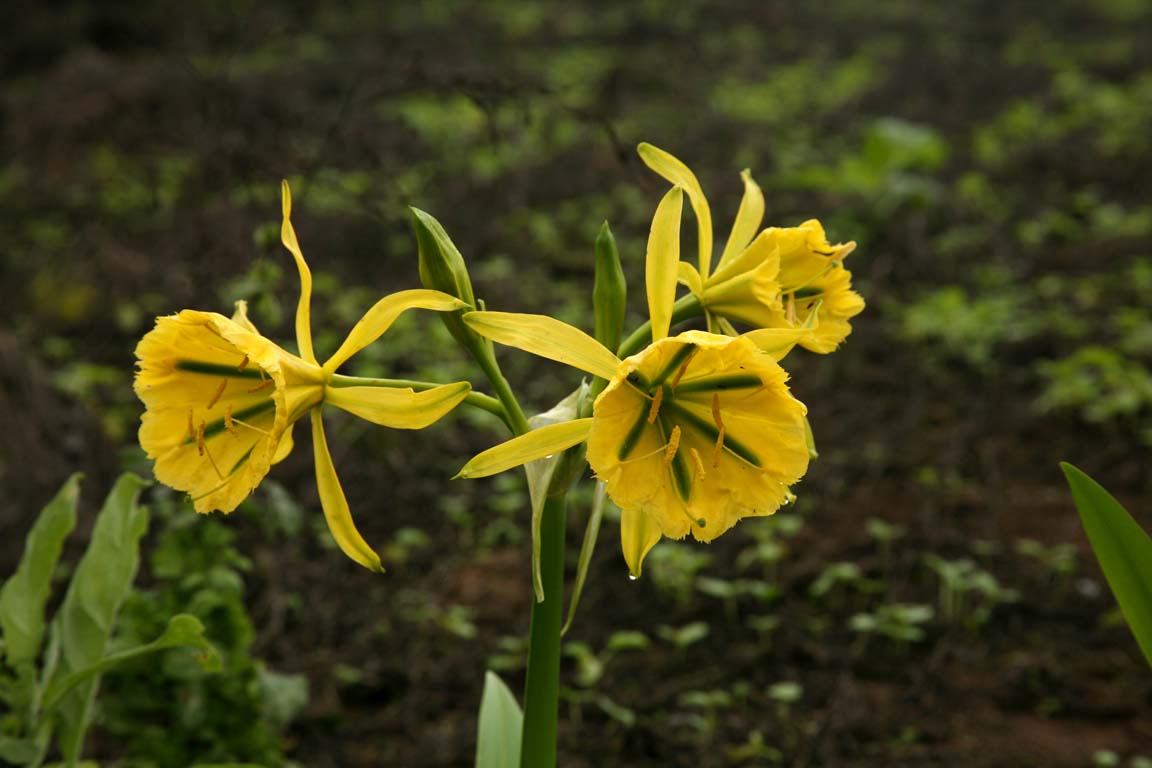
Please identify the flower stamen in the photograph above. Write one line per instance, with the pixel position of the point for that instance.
(219, 392)
(228, 423)
(262, 386)
(698, 464)
(673, 445)
(264, 432)
(191, 428)
(683, 368)
(654, 411)
(243, 364)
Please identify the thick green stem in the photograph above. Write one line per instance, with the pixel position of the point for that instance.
(542, 689)
(475, 399)
(686, 307)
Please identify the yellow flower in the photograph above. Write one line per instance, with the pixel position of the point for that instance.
(777, 278)
(221, 399)
(813, 280)
(690, 435)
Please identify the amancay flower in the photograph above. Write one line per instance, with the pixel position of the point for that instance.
(813, 280)
(221, 399)
(691, 434)
(770, 278)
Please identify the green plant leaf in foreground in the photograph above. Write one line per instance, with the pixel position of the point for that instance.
(1123, 549)
(182, 630)
(498, 736)
(23, 597)
(84, 622)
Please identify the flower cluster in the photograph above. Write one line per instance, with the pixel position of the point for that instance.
(688, 434)
(696, 430)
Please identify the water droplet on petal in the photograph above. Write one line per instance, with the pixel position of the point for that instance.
(631, 577)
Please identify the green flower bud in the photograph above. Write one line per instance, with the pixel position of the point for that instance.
(442, 268)
(610, 292)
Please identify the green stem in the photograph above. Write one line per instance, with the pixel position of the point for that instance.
(475, 399)
(686, 307)
(514, 414)
(542, 689)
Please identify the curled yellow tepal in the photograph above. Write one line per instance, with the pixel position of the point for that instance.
(221, 399)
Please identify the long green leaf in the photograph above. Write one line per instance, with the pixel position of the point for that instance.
(23, 597)
(84, 622)
(183, 630)
(498, 735)
(1123, 549)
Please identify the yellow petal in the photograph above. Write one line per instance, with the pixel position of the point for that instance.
(660, 268)
(304, 307)
(778, 342)
(536, 444)
(336, 510)
(688, 276)
(547, 337)
(380, 317)
(240, 317)
(284, 447)
(399, 408)
(638, 534)
(679, 174)
(748, 219)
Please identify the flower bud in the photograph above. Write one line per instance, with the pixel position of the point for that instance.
(610, 292)
(442, 268)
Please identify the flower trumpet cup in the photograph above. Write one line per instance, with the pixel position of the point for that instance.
(221, 399)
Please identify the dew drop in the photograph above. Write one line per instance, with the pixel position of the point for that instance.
(549, 456)
(631, 577)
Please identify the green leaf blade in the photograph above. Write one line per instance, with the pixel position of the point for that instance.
(1123, 549)
(24, 596)
(100, 584)
(498, 736)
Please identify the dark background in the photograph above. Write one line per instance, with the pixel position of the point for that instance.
(992, 162)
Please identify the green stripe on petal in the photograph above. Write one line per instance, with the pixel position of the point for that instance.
(547, 337)
(536, 444)
(304, 306)
(215, 369)
(722, 382)
(748, 220)
(399, 408)
(681, 175)
(383, 313)
(661, 263)
(335, 505)
(675, 412)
